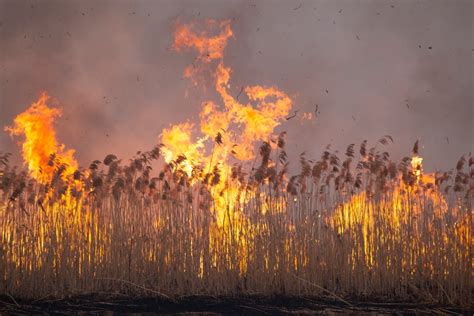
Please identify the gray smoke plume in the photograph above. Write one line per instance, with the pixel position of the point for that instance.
(402, 68)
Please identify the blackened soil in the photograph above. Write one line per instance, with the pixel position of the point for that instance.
(212, 305)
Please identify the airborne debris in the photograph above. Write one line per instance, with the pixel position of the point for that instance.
(240, 92)
(292, 116)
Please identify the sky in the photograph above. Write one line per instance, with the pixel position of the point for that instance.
(374, 68)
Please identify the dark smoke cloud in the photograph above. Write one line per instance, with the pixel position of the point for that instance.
(402, 68)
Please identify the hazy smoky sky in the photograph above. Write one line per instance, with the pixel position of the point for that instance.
(402, 68)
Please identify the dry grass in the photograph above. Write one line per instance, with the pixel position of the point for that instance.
(338, 228)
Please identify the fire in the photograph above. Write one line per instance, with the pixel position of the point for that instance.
(41, 150)
(242, 124)
(416, 165)
(307, 116)
(394, 209)
(229, 131)
(178, 139)
(209, 47)
(213, 213)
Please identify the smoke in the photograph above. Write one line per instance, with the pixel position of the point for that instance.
(373, 68)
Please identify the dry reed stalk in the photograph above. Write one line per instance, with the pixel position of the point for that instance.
(381, 232)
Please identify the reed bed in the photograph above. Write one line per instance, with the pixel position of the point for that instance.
(356, 226)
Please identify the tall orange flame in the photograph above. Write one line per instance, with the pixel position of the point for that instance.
(242, 124)
(41, 150)
(368, 214)
(230, 131)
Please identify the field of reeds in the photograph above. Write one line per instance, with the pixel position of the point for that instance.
(356, 225)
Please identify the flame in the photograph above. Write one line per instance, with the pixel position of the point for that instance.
(209, 47)
(40, 146)
(229, 131)
(178, 138)
(394, 209)
(416, 165)
(307, 116)
(243, 124)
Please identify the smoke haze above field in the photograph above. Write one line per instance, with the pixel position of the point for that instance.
(402, 68)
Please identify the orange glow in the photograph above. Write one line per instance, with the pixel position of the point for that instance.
(178, 139)
(307, 116)
(416, 165)
(219, 218)
(229, 132)
(36, 124)
(395, 209)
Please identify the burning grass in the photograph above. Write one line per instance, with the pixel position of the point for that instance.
(218, 214)
(382, 232)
